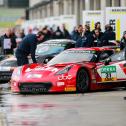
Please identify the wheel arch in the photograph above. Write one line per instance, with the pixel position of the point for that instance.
(87, 70)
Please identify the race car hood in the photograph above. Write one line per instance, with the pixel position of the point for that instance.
(39, 72)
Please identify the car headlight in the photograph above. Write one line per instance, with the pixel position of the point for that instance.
(64, 70)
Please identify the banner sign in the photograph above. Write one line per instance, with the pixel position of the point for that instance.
(116, 17)
(91, 17)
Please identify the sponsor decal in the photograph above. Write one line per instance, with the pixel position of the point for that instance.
(108, 73)
(33, 89)
(42, 69)
(70, 89)
(62, 77)
(34, 76)
(60, 83)
(81, 51)
(55, 44)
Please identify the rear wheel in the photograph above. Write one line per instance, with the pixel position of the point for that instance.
(82, 84)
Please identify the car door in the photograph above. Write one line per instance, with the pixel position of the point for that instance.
(114, 72)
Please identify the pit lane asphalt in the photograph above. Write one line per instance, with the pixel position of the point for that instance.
(106, 108)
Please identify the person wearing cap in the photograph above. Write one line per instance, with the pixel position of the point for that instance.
(27, 47)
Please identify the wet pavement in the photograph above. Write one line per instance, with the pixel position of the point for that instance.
(106, 108)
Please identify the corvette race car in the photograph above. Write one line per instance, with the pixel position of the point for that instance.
(47, 50)
(6, 68)
(72, 70)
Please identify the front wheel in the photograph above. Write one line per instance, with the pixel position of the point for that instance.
(82, 81)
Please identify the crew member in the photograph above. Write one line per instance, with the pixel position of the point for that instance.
(26, 47)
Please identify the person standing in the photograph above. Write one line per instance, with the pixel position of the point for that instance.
(82, 37)
(66, 33)
(8, 42)
(123, 41)
(47, 33)
(75, 34)
(95, 38)
(79, 36)
(58, 34)
(97, 26)
(108, 35)
(27, 47)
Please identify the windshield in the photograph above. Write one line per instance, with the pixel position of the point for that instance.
(72, 56)
(46, 49)
(10, 63)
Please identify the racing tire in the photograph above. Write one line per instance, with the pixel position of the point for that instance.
(82, 81)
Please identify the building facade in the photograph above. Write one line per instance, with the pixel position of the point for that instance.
(16, 3)
(46, 8)
(11, 11)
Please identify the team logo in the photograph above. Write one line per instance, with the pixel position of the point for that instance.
(62, 77)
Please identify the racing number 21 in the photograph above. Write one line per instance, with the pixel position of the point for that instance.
(108, 77)
(108, 73)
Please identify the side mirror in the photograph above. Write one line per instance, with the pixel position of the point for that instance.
(107, 61)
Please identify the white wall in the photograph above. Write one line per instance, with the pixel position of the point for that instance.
(33, 2)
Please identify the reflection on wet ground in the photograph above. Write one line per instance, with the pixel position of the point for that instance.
(27, 110)
(92, 109)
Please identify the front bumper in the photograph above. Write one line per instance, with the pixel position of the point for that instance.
(5, 75)
(35, 87)
(45, 84)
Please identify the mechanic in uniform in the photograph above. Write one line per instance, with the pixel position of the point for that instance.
(27, 47)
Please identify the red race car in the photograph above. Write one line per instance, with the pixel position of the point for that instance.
(71, 70)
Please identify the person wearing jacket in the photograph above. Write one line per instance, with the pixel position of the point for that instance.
(108, 35)
(27, 47)
(94, 39)
(66, 33)
(74, 34)
(123, 41)
(58, 34)
(82, 37)
(97, 26)
(8, 42)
